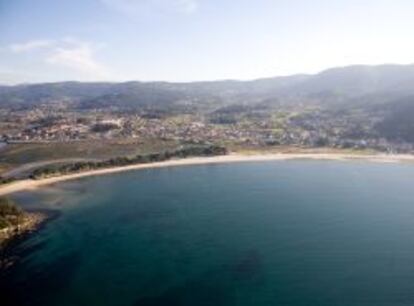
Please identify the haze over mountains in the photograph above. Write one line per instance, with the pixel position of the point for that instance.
(350, 85)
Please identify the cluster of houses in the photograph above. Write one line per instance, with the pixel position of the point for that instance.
(309, 131)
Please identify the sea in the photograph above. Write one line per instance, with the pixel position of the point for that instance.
(298, 232)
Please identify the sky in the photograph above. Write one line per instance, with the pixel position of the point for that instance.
(192, 40)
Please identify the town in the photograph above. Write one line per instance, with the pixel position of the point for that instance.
(312, 128)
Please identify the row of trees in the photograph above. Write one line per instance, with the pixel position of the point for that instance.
(4, 180)
(10, 213)
(182, 152)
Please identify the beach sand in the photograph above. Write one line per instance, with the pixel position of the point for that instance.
(28, 184)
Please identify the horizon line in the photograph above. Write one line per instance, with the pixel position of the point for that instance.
(207, 81)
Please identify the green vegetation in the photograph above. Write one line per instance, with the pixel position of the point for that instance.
(183, 152)
(4, 180)
(104, 127)
(399, 123)
(15, 155)
(10, 213)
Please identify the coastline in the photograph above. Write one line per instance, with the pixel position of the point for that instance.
(29, 184)
(11, 238)
(32, 220)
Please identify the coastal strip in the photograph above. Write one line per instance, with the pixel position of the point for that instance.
(31, 221)
(12, 236)
(31, 184)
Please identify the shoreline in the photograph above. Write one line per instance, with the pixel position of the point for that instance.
(12, 237)
(29, 184)
(32, 220)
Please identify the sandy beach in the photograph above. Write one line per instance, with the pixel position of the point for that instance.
(231, 158)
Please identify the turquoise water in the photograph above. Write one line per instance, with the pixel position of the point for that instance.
(270, 233)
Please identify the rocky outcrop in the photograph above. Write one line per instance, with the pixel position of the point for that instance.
(30, 223)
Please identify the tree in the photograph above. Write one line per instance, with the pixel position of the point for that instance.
(10, 213)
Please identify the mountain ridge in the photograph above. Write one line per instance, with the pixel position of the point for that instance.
(332, 86)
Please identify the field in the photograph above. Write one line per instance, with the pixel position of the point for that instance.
(17, 155)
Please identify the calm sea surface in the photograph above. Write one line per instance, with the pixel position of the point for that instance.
(270, 233)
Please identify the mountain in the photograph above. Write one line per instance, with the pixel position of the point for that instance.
(361, 80)
(35, 94)
(348, 86)
(398, 122)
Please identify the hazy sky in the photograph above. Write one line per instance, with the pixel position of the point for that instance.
(184, 40)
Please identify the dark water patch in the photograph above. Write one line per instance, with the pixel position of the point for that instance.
(20, 252)
(211, 289)
(35, 285)
(249, 266)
